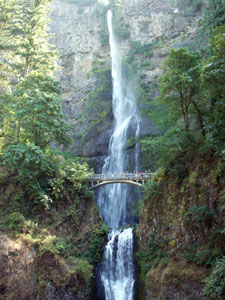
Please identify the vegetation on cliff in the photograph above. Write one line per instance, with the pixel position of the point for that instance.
(43, 201)
(182, 216)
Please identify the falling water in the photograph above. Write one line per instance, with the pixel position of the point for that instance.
(117, 267)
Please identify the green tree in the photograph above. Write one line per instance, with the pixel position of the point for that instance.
(34, 168)
(214, 15)
(215, 283)
(24, 47)
(7, 41)
(179, 88)
(31, 113)
(29, 29)
(38, 109)
(213, 78)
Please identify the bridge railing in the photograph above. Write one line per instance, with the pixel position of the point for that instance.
(123, 176)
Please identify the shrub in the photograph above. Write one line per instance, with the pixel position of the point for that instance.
(153, 189)
(137, 48)
(215, 283)
(151, 257)
(57, 245)
(104, 36)
(34, 168)
(204, 256)
(97, 241)
(196, 216)
(84, 269)
(190, 5)
(49, 244)
(16, 221)
(70, 176)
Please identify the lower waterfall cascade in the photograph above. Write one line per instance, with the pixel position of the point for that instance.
(116, 270)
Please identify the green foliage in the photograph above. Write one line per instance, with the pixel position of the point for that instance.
(102, 91)
(25, 50)
(35, 171)
(213, 84)
(56, 245)
(151, 257)
(153, 189)
(72, 213)
(31, 115)
(103, 31)
(215, 15)
(190, 110)
(97, 106)
(104, 36)
(69, 177)
(28, 48)
(135, 207)
(179, 87)
(16, 222)
(121, 29)
(190, 5)
(38, 111)
(97, 241)
(201, 257)
(143, 50)
(39, 175)
(178, 110)
(85, 270)
(215, 283)
(164, 147)
(193, 177)
(198, 216)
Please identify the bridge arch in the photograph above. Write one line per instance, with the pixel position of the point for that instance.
(97, 180)
(99, 184)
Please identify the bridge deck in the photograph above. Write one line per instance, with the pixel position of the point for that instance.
(137, 179)
(123, 176)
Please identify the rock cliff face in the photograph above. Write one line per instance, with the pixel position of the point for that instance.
(75, 28)
(47, 254)
(25, 275)
(17, 264)
(152, 27)
(180, 230)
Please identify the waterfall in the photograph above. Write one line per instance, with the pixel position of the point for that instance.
(117, 267)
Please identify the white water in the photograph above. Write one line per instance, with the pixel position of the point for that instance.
(117, 268)
(117, 274)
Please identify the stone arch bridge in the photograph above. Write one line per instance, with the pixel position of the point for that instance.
(136, 179)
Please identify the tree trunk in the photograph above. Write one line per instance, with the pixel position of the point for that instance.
(200, 120)
(184, 109)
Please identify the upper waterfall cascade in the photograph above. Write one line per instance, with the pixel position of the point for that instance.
(117, 267)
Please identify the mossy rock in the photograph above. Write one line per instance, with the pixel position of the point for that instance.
(176, 278)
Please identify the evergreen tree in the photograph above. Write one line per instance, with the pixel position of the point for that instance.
(215, 15)
(38, 109)
(25, 37)
(26, 48)
(8, 9)
(33, 49)
(31, 115)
